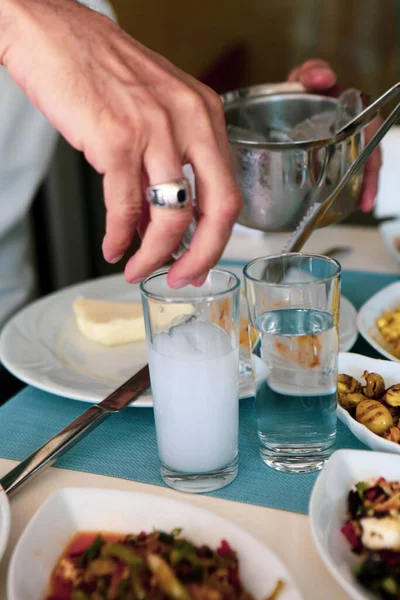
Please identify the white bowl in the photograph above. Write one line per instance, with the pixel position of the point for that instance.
(5, 519)
(70, 510)
(389, 230)
(328, 505)
(355, 365)
(386, 299)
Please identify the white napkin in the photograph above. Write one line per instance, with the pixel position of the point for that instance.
(241, 230)
(388, 199)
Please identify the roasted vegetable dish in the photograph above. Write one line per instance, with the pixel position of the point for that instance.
(389, 328)
(372, 529)
(372, 404)
(159, 566)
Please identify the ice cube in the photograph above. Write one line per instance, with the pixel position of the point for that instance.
(162, 344)
(278, 135)
(204, 338)
(212, 341)
(317, 127)
(184, 340)
(175, 345)
(296, 275)
(349, 106)
(197, 339)
(242, 134)
(327, 123)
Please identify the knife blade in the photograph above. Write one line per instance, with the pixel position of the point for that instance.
(47, 454)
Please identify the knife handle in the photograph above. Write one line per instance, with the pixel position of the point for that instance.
(47, 455)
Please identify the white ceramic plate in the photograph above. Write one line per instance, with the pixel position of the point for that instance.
(386, 299)
(42, 346)
(70, 510)
(5, 520)
(348, 331)
(328, 507)
(390, 230)
(355, 365)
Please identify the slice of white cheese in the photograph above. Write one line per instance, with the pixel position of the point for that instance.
(381, 534)
(117, 323)
(110, 323)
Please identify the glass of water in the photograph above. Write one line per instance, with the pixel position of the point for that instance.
(193, 347)
(293, 302)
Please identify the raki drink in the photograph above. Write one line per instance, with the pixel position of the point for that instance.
(194, 379)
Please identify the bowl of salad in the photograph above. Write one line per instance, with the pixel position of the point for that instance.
(355, 522)
(84, 544)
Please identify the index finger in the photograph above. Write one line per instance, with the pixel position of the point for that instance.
(219, 203)
(163, 164)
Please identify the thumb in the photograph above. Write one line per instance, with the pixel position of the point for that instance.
(317, 78)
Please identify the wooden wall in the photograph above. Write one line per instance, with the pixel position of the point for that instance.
(359, 37)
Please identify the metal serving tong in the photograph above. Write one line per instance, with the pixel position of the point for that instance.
(318, 209)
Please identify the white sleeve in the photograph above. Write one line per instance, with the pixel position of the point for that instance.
(27, 142)
(101, 6)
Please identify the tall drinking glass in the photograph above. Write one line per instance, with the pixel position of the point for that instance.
(293, 302)
(193, 346)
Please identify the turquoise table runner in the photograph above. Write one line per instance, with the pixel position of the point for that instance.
(125, 445)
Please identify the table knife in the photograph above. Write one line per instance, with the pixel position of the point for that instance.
(47, 455)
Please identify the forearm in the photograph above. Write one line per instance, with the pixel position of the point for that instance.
(15, 15)
(136, 117)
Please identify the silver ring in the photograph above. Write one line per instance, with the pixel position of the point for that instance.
(174, 194)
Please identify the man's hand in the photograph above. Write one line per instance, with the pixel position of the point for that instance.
(316, 75)
(137, 118)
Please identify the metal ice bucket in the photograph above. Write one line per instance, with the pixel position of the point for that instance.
(278, 180)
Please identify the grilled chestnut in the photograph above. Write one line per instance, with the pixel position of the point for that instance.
(374, 415)
(374, 385)
(392, 396)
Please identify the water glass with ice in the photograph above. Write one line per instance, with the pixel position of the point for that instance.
(193, 347)
(293, 302)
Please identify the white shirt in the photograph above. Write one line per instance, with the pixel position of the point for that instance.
(27, 142)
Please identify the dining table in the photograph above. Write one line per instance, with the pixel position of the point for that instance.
(286, 533)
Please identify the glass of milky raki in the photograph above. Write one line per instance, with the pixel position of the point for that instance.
(193, 347)
(293, 302)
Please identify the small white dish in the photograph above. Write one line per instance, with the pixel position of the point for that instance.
(390, 230)
(70, 510)
(355, 365)
(386, 299)
(328, 505)
(5, 521)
